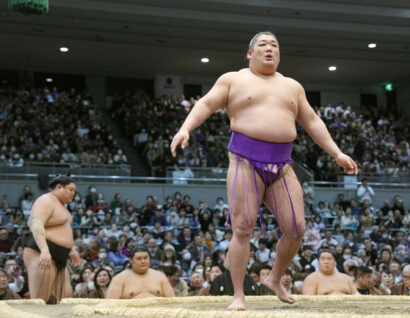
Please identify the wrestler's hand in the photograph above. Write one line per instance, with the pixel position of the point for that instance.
(346, 163)
(75, 258)
(181, 137)
(45, 260)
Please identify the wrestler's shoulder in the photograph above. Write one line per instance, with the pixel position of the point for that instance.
(289, 80)
(46, 198)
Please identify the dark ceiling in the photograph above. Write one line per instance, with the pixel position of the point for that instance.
(144, 37)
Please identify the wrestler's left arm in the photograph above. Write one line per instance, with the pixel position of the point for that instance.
(316, 129)
(167, 290)
(75, 257)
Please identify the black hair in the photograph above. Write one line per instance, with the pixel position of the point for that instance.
(169, 270)
(361, 271)
(138, 248)
(61, 179)
(264, 266)
(221, 267)
(102, 269)
(326, 250)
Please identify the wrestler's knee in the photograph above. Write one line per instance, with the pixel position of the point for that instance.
(242, 233)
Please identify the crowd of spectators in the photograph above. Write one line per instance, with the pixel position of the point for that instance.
(188, 242)
(43, 125)
(152, 123)
(379, 143)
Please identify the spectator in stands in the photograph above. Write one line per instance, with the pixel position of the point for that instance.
(393, 221)
(263, 252)
(179, 286)
(27, 203)
(348, 221)
(224, 244)
(155, 253)
(402, 288)
(287, 282)
(18, 218)
(5, 292)
(198, 249)
(327, 281)
(82, 289)
(115, 257)
(14, 275)
(91, 197)
(312, 235)
(102, 280)
(307, 257)
(365, 192)
(116, 203)
(5, 242)
(387, 280)
(158, 217)
(363, 281)
(196, 281)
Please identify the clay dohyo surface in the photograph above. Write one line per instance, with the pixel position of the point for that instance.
(203, 307)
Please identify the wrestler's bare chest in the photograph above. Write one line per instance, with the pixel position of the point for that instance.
(59, 217)
(333, 286)
(263, 108)
(142, 287)
(271, 94)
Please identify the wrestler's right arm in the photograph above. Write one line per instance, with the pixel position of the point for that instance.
(40, 213)
(116, 287)
(309, 285)
(216, 98)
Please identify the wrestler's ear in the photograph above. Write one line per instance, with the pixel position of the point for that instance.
(249, 54)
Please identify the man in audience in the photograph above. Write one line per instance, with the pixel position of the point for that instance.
(363, 281)
(365, 192)
(196, 281)
(139, 281)
(327, 281)
(5, 242)
(403, 288)
(14, 275)
(5, 292)
(179, 286)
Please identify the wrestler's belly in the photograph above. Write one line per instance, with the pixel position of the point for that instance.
(267, 128)
(61, 235)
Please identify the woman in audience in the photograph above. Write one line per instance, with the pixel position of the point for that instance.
(102, 279)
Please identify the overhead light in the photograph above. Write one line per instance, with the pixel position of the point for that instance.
(332, 68)
(49, 80)
(372, 45)
(204, 60)
(64, 49)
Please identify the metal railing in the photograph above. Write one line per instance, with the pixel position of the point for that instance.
(31, 167)
(183, 180)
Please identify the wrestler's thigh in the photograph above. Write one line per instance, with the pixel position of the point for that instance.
(246, 195)
(40, 281)
(279, 195)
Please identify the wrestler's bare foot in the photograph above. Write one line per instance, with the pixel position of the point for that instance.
(237, 304)
(279, 290)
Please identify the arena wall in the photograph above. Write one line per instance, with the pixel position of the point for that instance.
(137, 192)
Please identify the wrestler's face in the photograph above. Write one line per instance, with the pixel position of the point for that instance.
(140, 262)
(66, 193)
(327, 263)
(264, 57)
